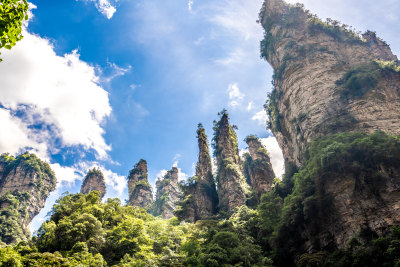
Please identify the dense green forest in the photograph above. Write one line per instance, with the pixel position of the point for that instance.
(83, 231)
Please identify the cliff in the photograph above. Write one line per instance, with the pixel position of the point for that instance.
(231, 183)
(333, 90)
(25, 184)
(94, 181)
(327, 79)
(167, 195)
(258, 168)
(140, 191)
(200, 199)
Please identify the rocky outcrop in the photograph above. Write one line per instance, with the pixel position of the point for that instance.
(326, 79)
(199, 200)
(140, 191)
(94, 181)
(167, 196)
(258, 168)
(329, 80)
(230, 180)
(25, 184)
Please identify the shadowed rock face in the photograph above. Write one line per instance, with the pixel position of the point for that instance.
(328, 80)
(25, 184)
(140, 191)
(94, 181)
(200, 197)
(258, 167)
(167, 195)
(230, 179)
(309, 59)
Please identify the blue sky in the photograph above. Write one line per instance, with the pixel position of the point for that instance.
(106, 83)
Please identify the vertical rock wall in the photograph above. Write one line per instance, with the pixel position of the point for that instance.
(25, 184)
(258, 167)
(94, 181)
(167, 195)
(230, 180)
(140, 191)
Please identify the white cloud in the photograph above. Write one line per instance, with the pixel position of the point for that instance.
(15, 136)
(105, 7)
(261, 117)
(61, 93)
(66, 175)
(190, 5)
(235, 95)
(234, 57)
(250, 106)
(275, 154)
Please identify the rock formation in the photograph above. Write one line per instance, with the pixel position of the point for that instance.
(329, 80)
(258, 167)
(230, 180)
(326, 79)
(140, 191)
(25, 184)
(167, 195)
(200, 196)
(94, 181)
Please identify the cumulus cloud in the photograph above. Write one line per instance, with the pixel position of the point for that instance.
(235, 96)
(105, 7)
(260, 117)
(276, 155)
(51, 98)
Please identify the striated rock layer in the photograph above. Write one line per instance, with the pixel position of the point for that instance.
(310, 58)
(25, 184)
(231, 182)
(140, 191)
(200, 195)
(258, 167)
(94, 181)
(329, 80)
(167, 195)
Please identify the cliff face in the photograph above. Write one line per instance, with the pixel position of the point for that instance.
(200, 195)
(25, 183)
(258, 167)
(140, 191)
(326, 80)
(231, 182)
(94, 181)
(167, 195)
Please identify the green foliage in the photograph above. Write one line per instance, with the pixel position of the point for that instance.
(11, 217)
(383, 251)
(10, 258)
(271, 107)
(12, 13)
(356, 154)
(334, 28)
(361, 79)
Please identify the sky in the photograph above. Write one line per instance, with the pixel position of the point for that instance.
(105, 83)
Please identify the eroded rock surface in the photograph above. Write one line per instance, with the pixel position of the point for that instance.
(168, 194)
(329, 80)
(310, 58)
(94, 181)
(230, 179)
(140, 191)
(25, 184)
(258, 167)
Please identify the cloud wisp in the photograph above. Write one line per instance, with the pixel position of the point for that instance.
(105, 7)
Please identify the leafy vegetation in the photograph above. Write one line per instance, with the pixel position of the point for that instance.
(271, 107)
(12, 13)
(361, 79)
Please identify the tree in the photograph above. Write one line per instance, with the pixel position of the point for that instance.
(12, 13)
